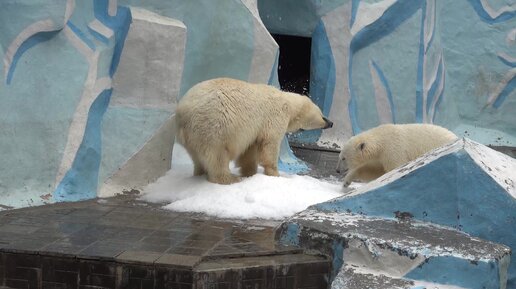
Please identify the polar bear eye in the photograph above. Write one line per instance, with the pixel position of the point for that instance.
(362, 146)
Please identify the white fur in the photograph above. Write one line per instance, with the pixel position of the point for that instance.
(372, 153)
(224, 119)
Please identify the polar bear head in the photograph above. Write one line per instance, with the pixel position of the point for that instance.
(304, 114)
(358, 150)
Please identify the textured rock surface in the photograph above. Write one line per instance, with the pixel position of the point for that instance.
(142, 105)
(353, 277)
(464, 185)
(58, 64)
(99, 119)
(399, 248)
(447, 62)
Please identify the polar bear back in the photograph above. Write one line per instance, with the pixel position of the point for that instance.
(402, 143)
(223, 109)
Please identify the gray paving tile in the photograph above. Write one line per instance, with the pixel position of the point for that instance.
(25, 245)
(152, 247)
(201, 235)
(134, 256)
(58, 229)
(187, 261)
(165, 241)
(130, 235)
(80, 240)
(170, 234)
(201, 244)
(59, 248)
(188, 251)
(97, 232)
(17, 229)
(225, 250)
(92, 213)
(105, 250)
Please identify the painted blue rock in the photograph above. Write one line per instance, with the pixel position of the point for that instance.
(464, 185)
(413, 252)
(138, 128)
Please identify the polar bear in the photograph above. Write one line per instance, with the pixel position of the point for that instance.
(223, 119)
(379, 150)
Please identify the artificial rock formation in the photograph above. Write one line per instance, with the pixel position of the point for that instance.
(448, 217)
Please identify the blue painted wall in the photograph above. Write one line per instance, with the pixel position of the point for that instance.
(450, 62)
(48, 109)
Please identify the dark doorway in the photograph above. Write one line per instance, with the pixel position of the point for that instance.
(294, 63)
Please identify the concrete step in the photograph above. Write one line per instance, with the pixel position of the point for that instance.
(353, 277)
(401, 248)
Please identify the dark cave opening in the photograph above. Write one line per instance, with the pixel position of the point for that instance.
(294, 63)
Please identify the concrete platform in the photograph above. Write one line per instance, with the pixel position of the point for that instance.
(353, 277)
(124, 243)
(398, 248)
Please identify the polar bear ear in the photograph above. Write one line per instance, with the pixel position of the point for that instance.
(362, 146)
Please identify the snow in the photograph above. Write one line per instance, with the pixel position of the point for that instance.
(259, 196)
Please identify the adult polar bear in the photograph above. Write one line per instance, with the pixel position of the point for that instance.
(225, 119)
(374, 152)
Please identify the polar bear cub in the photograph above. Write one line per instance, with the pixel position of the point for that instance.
(379, 150)
(223, 119)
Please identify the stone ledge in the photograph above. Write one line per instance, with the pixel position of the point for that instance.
(403, 248)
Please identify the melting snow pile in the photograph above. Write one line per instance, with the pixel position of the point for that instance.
(259, 196)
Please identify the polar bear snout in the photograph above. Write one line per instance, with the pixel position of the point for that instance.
(328, 122)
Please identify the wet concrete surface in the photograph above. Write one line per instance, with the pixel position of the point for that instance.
(122, 242)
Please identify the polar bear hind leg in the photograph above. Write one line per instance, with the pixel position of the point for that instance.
(217, 166)
(198, 166)
(248, 161)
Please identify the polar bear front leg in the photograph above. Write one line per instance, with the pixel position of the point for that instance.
(269, 153)
(349, 178)
(364, 173)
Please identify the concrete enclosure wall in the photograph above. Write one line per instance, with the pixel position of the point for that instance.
(88, 88)
(449, 62)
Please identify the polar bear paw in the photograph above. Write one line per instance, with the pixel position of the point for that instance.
(224, 179)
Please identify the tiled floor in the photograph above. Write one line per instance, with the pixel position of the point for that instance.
(125, 243)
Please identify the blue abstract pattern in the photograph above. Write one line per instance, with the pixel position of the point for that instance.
(448, 57)
(446, 62)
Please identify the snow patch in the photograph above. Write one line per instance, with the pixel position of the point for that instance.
(259, 196)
